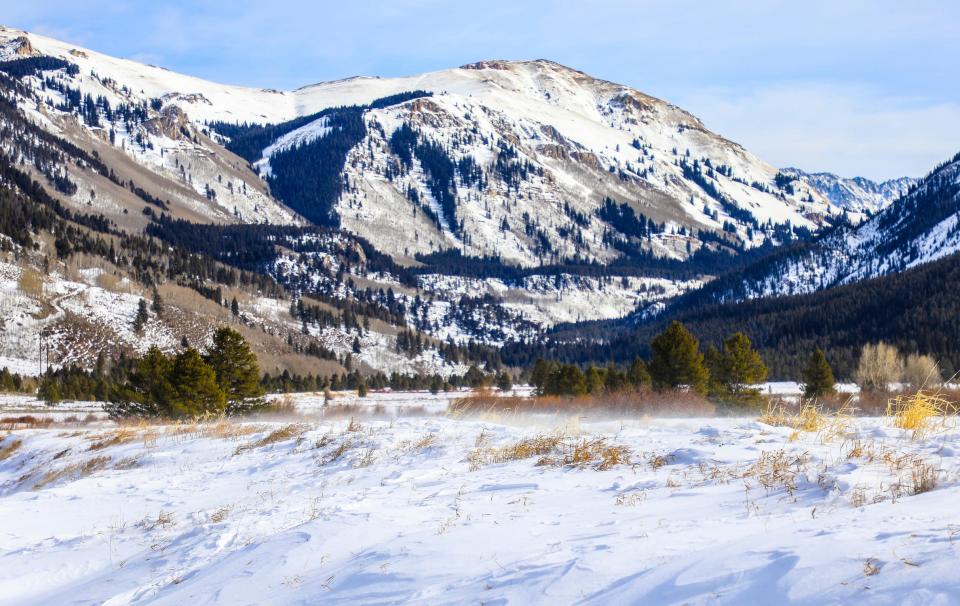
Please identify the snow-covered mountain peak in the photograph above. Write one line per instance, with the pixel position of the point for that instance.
(546, 147)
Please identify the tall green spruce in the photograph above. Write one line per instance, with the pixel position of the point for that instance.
(676, 361)
(818, 379)
(734, 369)
(195, 389)
(236, 370)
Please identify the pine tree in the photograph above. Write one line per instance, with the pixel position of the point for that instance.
(151, 385)
(236, 370)
(157, 305)
(677, 361)
(594, 380)
(141, 318)
(638, 375)
(195, 389)
(818, 379)
(742, 365)
(504, 381)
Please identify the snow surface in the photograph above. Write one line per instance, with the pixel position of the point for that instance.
(416, 510)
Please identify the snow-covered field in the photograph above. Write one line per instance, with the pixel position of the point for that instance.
(433, 509)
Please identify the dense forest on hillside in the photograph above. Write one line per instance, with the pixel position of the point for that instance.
(917, 310)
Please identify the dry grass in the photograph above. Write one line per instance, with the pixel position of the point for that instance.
(776, 470)
(114, 438)
(220, 514)
(342, 448)
(869, 568)
(924, 477)
(281, 434)
(9, 449)
(74, 471)
(24, 422)
(554, 450)
(811, 417)
(642, 402)
(540, 445)
(922, 412)
(284, 405)
(226, 429)
(163, 520)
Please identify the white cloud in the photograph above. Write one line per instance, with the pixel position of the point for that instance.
(849, 130)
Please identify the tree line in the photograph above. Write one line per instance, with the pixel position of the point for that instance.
(223, 380)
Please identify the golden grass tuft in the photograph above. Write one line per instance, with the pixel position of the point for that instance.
(540, 445)
(114, 438)
(281, 434)
(810, 418)
(228, 429)
(555, 451)
(73, 471)
(924, 477)
(922, 412)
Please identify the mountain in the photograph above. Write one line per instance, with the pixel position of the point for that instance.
(917, 310)
(448, 211)
(890, 278)
(859, 196)
(528, 153)
(919, 227)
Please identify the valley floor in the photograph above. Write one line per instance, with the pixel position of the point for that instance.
(434, 509)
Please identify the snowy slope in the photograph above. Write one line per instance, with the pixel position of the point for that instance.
(858, 195)
(922, 226)
(434, 510)
(586, 138)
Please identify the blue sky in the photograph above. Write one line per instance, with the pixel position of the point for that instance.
(855, 87)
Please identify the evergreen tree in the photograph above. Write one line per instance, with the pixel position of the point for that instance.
(504, 381)
(195, 389)
(148, 391)
(567, 379)
(141, 318)
(236, 370)
(614, 379)
(677, 361)
(48, 390)
(818, 380)
(594, 380)
(157, 305)
(362, 389)
(741, 364)
(638, 375)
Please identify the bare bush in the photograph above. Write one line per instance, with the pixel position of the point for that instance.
(921, 372)
(31, 282)
(880, 365)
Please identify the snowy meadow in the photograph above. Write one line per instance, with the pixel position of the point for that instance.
(418, 505)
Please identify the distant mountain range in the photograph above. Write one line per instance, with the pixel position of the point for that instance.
(857, 194)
